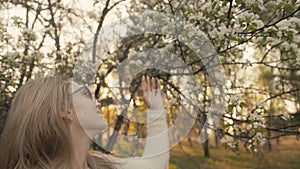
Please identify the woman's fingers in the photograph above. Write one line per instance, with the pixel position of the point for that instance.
(158, 86)
(148, 84)
(144, 85)
(153, 87)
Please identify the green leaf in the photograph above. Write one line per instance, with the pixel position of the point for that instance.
(96, 2)
(239, 1)
(293, 53)
(230, 108)
(289, 9)
(256, 9)
(214, 4)
(224, 126)
(243, 104)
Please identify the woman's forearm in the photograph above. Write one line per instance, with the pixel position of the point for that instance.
(156, 152)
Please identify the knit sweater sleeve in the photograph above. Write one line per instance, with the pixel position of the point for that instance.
(156, 151)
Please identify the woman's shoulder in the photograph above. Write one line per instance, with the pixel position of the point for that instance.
(155, 162)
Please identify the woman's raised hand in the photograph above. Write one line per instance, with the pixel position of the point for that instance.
(151, 93)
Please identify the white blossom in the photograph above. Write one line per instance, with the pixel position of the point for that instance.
(91, 14)
(249, 146)
(259, 117)
(294, 46)
(235, 126)
(229, 141)
(236, 100)
(286, 116)
(297, 39)
(16, 19)
(138, 62)
(258, 40)
(248, 127)
(283, 25)
(205, 6)
(259, 23)
(295, 20)
(286, 45)
(259, 138)
(132, 62)
(223, 140)
(249, 2)
(255, 125)
(298, 59)
(29, 33)
(260, 104)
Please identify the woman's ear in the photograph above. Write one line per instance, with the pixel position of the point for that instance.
(69, 115)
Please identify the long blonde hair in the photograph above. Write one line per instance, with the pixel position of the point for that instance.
(36, 135)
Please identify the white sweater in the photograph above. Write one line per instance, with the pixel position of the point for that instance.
(156, 152)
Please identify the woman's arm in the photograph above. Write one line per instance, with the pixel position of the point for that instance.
(156, 151)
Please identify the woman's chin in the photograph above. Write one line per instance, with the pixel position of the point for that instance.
(92, 133)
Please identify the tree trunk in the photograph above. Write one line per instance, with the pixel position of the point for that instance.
(206, 144)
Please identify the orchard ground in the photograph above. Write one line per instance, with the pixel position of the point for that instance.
(286, 154)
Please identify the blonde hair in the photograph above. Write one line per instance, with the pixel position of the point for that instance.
(36, 135)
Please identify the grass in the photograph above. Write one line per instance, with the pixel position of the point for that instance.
(283, 155)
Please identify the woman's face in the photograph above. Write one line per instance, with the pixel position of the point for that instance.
(88, 115)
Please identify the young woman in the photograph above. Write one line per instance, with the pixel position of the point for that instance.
(49, 127)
